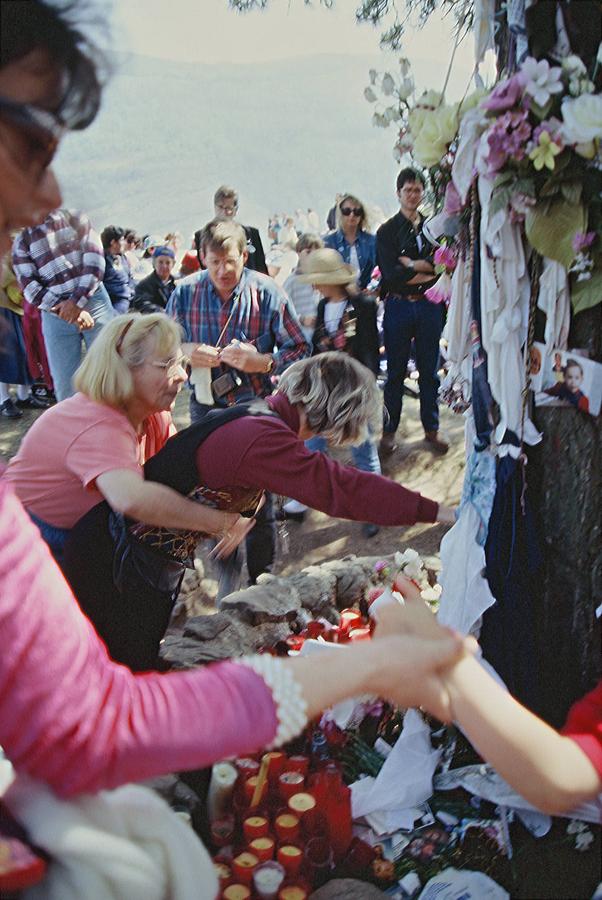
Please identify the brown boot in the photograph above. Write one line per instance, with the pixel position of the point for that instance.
(437, 441)
(387, 444)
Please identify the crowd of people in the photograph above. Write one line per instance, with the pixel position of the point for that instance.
(103, 487)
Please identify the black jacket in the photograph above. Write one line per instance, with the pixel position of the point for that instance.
(398, 237)
(256, 258)
(357, 333)
(151, 294)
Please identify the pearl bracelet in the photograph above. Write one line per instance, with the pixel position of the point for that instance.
(291, 707)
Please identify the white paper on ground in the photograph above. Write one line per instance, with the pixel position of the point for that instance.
(406, 778)
(455, 884)
(483, 781)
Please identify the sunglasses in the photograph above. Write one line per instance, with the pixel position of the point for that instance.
(351, 210)
(40, 130)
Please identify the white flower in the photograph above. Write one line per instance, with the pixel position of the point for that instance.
(372, 74)
(575, 827)
(406, 88)
(392, 114)
(410, 562)
(583, 840)
(388, 84)
(541, 81)
(574, 65)
(370, 95)
(404, 66)
(582, 118)
(379, 120)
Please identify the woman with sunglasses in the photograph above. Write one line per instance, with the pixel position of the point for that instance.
(92, 446)
(351, 239)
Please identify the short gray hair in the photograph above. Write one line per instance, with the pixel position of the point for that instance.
(339, 396)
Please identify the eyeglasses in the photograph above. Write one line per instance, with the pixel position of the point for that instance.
(351, 210)
(228, 209)
(40, 130)
(170, 367)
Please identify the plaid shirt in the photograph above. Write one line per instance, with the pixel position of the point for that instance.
(262, 315)
(61, 259)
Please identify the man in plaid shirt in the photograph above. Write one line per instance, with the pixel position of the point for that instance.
(239, 324)
(59, 266)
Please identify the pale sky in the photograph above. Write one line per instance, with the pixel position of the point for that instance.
(208, 31)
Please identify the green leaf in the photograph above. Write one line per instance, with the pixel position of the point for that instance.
(571, 191)
(525, 186)
(502, 179)
(541, 111)
(586, 294)
(500, 200)
(551, 230)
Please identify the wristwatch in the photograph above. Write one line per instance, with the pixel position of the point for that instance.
(410, 264)
(271, 364)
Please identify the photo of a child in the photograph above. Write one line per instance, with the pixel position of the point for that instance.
(569, 388)
(567, 378)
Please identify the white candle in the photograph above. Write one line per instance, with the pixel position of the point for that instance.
(221, 786)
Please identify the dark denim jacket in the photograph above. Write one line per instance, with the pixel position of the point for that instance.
(365, 244)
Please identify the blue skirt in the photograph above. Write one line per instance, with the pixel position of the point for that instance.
(13, 358)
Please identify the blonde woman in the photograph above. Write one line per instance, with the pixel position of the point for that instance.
(92, 446)
(352, 238)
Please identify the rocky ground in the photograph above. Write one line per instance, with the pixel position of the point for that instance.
(320, 538)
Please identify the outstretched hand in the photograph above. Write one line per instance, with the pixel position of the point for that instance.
(234, 536)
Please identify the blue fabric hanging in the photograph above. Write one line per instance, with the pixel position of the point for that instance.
(514, 570)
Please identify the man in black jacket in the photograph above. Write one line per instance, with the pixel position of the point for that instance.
(153, 292)
(404, 256)
(225, 204)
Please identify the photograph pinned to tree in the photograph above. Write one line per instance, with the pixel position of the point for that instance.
(566, 378)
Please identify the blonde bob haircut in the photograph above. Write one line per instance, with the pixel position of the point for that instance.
(339, 396)
(124, 343)
(351, 200)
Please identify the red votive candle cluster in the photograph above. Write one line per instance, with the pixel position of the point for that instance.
(281, 806)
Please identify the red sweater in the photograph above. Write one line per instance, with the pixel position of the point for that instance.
(584, 725)
(266, 452)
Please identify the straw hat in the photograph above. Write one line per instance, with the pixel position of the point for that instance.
(326, 266)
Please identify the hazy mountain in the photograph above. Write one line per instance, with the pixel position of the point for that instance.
(287, 135)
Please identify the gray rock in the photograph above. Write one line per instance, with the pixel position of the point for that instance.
(274, 601)
(207, 628)
(317, 590)
(347, 889)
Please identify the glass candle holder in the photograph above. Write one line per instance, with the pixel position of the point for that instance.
(236, 892)
(290, 856)
(255, 827)
(293, 892)
(319, 860)
(243, 867)
(267, 880)
(222, 831)
(298, 763)
(290, 783)
(287, 827)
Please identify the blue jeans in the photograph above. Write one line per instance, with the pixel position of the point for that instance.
(422, 321)
(64, 340)
(260, 542)
(54, 536)
(365, 456)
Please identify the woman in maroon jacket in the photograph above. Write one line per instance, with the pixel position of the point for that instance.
(127, 575)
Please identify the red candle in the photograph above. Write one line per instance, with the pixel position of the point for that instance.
(275, 762)
(287, 827)
(236, 892)
(290, 857)
(360, 634)
(247, 767)
(224, 874)
(298, 764)
(304, 806)
(243, 866)
(249, 788)
(255, 827)
(293, 892)
(350, 618)
(222, 831)
(290, 783)
(294, 642)
(263, 848)
(314, 629)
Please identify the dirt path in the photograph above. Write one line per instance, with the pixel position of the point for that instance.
(320, 538)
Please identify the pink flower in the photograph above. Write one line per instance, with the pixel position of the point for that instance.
(445, 256)
(440, 292)
(583, 240)
(505, 95)
(453, 201)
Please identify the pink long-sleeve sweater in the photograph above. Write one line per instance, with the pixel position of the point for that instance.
(74, 719)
